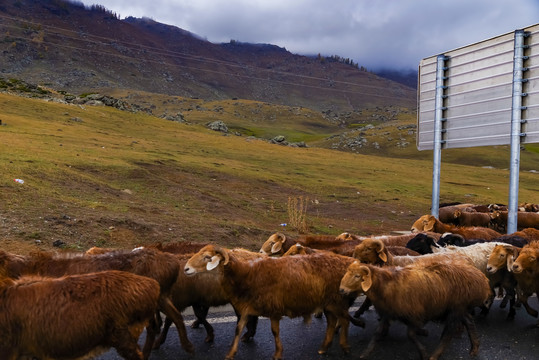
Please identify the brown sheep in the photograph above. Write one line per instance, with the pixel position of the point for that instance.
(406, 294)
(75, 316)
(500, 274)
(152, 263)
(278, 243)
(201, 292)
(445, 213)
(529, 207)
(524, 219)
(299, 249)
(307, 284)
(430, 223)
(464, 218)
(526, 271)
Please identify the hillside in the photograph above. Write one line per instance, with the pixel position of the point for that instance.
(96, 175)
(78, 50)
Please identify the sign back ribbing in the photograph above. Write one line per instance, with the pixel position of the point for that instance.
(477, 94)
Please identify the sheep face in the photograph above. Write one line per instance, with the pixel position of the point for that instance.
(422, 243)
(297, 249)
(500, 257)
(273, 245)
(207, 259)
(356, 279)
(345, 236)
(526, 260)
(370, 251)
(424, 223)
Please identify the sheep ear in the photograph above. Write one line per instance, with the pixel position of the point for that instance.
(381, 253)
(430, 224)
(510, 261)
(276, 247)
(213, 263)
(366, 278)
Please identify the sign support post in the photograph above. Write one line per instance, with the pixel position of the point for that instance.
(438, 118)
(516, 117)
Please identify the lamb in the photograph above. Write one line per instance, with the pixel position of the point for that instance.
(407, 294)
(307, 284)
(152, 263)
(75, 316)
(430, 223)
(500, 274)
(526, 272)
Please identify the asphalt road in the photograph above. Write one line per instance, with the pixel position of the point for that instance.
(500, 339)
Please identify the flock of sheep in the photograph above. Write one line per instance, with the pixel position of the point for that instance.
(439, 272)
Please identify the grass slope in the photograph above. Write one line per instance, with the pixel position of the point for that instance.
(99, 176)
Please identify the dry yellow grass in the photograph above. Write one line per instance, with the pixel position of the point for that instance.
(90, 171)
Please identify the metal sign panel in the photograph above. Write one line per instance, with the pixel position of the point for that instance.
(477, 94)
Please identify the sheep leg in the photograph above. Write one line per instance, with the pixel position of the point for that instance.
(364, 307)
(509, 297)
(380, 332)
(523, 298)
(412, 335)
(448, 332)
(252, 322)
(278, 345)
(151, 332)
(472, 334)
(512, 311)
(331, 319)
(163, 336)
(239, 328)
(201, 312)
(168, 308)
(126, 344)
(343, 336)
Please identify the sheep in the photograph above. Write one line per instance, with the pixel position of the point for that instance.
(428, 290)
(526, 272)
(307, 284)
(201, 292)
(524, 219)
(298, 249)
(458, 240)
(431, 223)
(465, 218)
(374, 251)
(499, 274)
(278, 243)
(75, 316)
(527, 207)
(423, 243)
(446, 213)
(531, 234)
(477, 255)
(152, 263)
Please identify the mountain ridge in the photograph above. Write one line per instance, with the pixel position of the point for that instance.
(76, 49)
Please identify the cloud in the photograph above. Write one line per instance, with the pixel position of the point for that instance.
(375, 34)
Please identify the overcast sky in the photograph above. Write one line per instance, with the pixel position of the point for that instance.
(373, 33)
